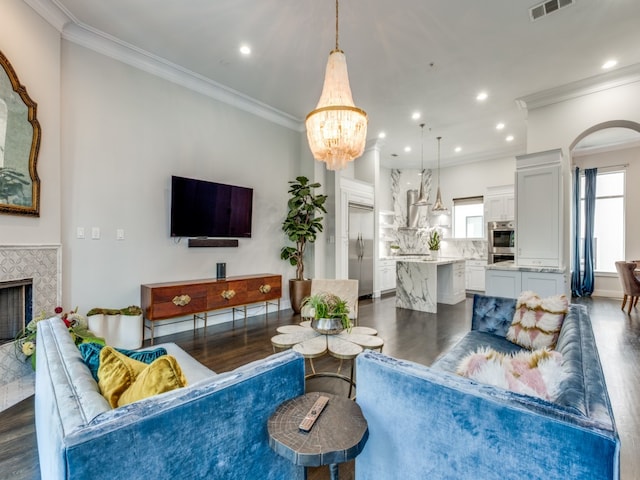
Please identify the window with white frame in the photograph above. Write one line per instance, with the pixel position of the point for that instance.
(468, 217)
(608, 231)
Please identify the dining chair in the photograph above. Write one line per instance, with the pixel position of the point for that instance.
(345, 289)
(630, 284)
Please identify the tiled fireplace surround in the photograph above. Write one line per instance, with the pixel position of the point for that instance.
(42, 264)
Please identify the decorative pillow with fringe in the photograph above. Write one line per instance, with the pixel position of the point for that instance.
(537, 321)
(537, 373)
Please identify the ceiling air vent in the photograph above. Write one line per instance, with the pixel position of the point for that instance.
(546, 8)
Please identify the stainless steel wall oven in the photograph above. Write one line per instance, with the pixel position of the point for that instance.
(501, 236)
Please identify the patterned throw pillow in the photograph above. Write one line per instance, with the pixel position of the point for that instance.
(538, 373)
(537, 321)
(91, 355)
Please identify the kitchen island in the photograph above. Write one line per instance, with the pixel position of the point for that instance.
(508, 279)
(423, 282)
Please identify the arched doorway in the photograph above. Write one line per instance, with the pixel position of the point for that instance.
(613, 148)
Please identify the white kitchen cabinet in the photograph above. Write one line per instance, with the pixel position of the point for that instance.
(499, 203)
(543, 283)
(539, 210)
(510, 283)
(451, 283)
(459, 280)
(387, 275)
(503, 283)
(475, 275)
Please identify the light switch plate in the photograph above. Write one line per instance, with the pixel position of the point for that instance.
(95, 233)
(80, 232)
(120, 234)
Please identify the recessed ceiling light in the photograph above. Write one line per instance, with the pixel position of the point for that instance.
(458, 149)
(500, 126)
(609, 64)
(482, 96)
(509, 138)
(245, 50)
(407, 149)
(382, 135)
(415, 115)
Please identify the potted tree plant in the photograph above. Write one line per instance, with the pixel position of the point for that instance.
(301, 226)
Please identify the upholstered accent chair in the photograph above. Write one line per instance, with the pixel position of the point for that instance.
(345, 289)
(630, 284)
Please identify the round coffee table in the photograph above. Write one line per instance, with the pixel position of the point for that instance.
(346, 345)
(338, 435)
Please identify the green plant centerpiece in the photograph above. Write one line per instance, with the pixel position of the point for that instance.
(301, 226)
(330, 313)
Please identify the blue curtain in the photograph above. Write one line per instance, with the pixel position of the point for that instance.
(588, 281)
(576, 279)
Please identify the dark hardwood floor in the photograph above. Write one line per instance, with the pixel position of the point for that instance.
(415, 336)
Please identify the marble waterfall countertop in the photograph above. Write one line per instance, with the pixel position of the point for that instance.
(524, 268)
(429, 259)
(423, 257)
(423, 281)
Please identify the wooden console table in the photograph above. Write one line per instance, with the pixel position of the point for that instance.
(161, 301)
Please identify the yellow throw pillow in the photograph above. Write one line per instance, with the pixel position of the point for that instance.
(116, 374)
(162, 375)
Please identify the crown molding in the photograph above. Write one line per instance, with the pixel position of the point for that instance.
(617, 78)
(54, 13)
(76, 32)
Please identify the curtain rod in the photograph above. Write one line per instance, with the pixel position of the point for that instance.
(622, 165)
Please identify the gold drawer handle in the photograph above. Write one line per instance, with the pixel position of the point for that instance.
(265, 288)
(228, 294)
(181, 300)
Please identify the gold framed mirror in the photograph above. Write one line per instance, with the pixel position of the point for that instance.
(19, 145)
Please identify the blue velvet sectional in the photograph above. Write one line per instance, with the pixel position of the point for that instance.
(216, 427)
(429, 423)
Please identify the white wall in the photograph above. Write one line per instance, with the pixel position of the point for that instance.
(472, 179)
(32, 47)
(125, 133)
(559, 124)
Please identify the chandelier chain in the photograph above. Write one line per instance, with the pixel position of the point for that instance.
(337, 47)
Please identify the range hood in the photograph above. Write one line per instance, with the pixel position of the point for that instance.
(412, 211)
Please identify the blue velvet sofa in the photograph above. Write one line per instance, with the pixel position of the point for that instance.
(428, 422)
(216, 427)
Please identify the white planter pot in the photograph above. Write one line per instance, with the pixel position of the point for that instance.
(121, 331)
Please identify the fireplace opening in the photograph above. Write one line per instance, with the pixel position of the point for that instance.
(16, 307)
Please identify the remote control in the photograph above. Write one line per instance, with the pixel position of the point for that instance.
(314, 413)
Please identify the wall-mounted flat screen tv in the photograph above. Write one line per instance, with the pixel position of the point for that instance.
(201, 208)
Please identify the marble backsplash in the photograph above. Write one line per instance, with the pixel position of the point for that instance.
(470, 249)
(414, 242)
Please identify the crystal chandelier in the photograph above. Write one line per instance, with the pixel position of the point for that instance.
(336, 129)
(439, 206)
(422, 199)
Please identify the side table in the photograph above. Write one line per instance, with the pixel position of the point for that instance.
(337, 436)
(344, 346)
